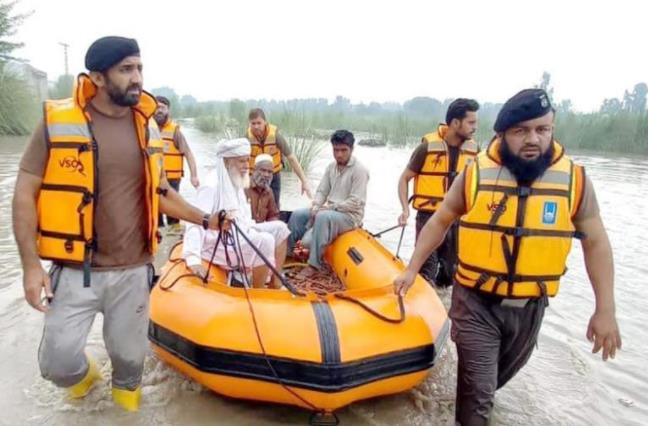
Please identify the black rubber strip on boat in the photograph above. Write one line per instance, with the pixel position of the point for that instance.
(331, 377)
(328, 334)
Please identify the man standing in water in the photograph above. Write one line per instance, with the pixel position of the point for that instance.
(176, 149)
(87, 197)
(434, 164)
(266, 139)
(520, 203)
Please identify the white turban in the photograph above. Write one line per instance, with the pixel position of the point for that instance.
(261, 158)
(233, 148)
(228, 197)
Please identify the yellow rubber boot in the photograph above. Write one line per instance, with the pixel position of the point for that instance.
(82, 388)
(129, 400)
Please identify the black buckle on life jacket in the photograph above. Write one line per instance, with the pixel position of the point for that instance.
(517, 232)
(87, 197)
(482, 280)
(162, 191)
(523, 191)
(69, 246)
(85, 200)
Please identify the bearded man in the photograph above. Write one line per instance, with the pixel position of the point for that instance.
(225, 191)
(520, 203)
(259, 194)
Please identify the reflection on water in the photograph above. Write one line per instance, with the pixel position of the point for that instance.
(562, 384)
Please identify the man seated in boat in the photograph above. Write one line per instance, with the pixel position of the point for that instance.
(225, 191)
(259, 194)
(338, 206)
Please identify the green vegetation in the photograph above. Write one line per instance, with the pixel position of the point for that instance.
(18, 109)
(620, 125)
(62, 89)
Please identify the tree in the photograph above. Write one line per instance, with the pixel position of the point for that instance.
(545, 84)
(18, 109)
(564, 106)
(424, 107)
(8, 25)
(611, 106)
(188, 101)
(635, 101)
(62, 88)
(639, 98)
(238, 112)
(341, 104)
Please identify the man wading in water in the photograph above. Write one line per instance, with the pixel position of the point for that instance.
(520, 203)
(87, 197)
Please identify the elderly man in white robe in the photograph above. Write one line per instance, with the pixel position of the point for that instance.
(225, 190)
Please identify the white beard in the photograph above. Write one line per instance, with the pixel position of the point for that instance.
(239, 181)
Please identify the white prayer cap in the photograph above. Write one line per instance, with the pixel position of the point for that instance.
(233, 148)
(261, 158)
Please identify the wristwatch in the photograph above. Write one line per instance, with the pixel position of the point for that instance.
(205, 221)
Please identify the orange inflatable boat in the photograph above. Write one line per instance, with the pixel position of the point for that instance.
(316, 352)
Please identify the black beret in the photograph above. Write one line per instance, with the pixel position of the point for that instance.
(107, 51)
(525, 105)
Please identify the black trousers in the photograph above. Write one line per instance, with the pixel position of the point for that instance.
(494, 342)
(175, 184)
(440, 266)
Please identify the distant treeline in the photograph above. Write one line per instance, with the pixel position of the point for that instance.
(620, 125)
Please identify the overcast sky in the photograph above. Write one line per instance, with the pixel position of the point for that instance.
(364, 50)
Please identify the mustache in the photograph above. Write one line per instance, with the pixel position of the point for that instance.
(525, 171)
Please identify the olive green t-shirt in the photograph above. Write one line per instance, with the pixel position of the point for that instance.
(120, 221)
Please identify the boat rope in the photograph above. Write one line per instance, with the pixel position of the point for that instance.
(283, 384)
(379, 234)
(401, 308)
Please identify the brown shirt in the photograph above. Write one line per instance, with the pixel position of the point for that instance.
(120, 221)
(417, 160)
(262, 203)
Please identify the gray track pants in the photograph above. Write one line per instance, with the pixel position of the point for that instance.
(327, 226)
(123, 298)
(493, 343)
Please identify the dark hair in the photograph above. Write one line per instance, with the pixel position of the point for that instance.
(256, 113)
(343, 137)
(163, 100)
(459, 107)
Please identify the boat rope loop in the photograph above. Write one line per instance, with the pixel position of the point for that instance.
(401, 308)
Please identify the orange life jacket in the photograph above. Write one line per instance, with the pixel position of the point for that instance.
(268, 146)
(173, 157)
(514, 240)
(67, 197)
(433, 181)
